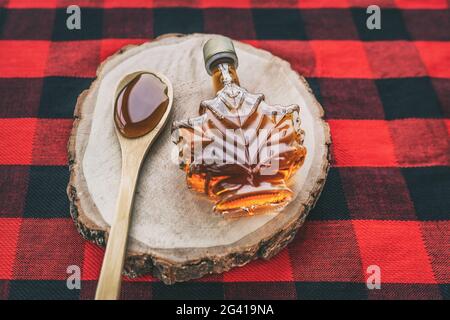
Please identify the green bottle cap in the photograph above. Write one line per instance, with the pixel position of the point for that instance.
(217, 49)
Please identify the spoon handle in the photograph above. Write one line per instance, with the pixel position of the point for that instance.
(109, 284)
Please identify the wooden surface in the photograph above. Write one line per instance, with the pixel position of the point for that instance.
(174, 234)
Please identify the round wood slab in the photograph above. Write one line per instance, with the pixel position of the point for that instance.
(174, 234)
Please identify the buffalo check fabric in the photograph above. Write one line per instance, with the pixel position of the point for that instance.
(386, 94)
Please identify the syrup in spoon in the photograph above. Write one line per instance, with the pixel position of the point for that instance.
(140, 105)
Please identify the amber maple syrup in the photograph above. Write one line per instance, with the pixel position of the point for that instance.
(140, 105)
(261, 146)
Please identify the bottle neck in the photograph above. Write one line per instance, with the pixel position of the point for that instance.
(224, 69)
(223, 74)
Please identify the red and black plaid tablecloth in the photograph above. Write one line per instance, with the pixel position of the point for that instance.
(386, 94)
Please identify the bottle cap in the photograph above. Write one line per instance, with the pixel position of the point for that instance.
(218, 48)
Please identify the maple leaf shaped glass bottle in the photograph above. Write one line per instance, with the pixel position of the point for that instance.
(240, 151)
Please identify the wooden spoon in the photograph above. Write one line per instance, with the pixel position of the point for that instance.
(138, 119)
